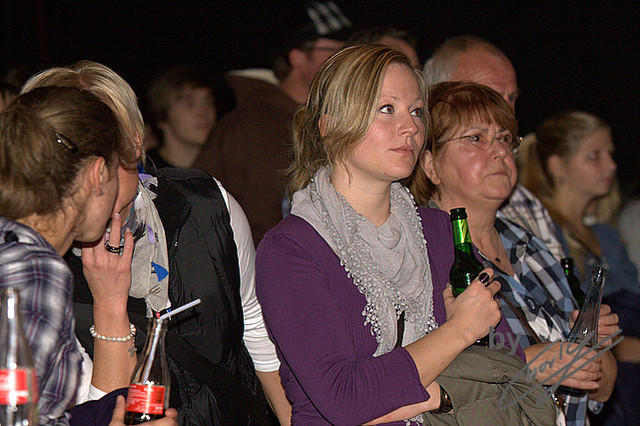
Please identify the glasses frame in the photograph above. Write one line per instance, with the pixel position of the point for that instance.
(513, 146)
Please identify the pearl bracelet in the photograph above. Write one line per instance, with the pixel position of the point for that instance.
(130, 336)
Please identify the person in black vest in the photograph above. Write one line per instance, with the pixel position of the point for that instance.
(191, 240)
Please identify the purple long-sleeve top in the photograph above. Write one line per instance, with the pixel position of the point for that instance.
(313, 313)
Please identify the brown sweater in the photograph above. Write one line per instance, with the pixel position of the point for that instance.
(250, 149)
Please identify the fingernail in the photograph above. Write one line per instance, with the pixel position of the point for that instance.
(483, 278)
(117, 215)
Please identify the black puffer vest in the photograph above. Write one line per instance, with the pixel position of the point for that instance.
(213, 376)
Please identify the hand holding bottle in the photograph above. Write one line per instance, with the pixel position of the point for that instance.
(475, 309)
(118, 416)
(558, 355)
(607, 322)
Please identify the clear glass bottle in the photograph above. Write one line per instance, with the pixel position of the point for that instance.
(148, 395)
(585, 329)
(18, 386)
(466, 266)
(586, 325)
(574, 284)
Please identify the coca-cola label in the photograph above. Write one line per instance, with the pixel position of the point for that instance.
(147, 399)
(14, 386)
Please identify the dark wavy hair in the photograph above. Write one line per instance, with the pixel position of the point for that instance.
(47, 136)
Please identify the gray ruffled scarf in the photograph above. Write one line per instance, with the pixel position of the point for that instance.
(389, 265)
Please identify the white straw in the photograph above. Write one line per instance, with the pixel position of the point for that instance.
(180, 309)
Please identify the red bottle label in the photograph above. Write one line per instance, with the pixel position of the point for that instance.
(14, 386)
(147, 399)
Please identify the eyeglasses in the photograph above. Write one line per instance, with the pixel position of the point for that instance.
(483, 142)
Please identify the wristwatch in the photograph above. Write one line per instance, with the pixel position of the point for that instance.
(445, 402)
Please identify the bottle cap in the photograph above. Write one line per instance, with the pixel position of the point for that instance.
(458, 213)
(599, 274)
(567, 262)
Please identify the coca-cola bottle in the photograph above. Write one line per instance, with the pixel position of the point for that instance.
(18, 389)
(148, 395)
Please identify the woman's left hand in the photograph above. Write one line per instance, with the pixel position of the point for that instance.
(109, 274)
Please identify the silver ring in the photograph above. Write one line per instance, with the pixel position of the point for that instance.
(112, 249)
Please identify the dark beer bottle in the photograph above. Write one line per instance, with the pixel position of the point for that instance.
(466, 266)
(148, 395)
(574, 284)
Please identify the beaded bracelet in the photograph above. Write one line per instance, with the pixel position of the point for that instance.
(130, 336)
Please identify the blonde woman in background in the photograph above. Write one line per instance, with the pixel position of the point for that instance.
(570, 166)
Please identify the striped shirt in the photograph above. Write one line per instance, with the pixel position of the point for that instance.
(541, 291)
(29, 264)
(526, 210)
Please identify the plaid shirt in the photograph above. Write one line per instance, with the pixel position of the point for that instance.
(542, 293)
(526, 210)
(29, 263)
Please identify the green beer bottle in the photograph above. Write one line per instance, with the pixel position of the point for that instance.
(465, 266)
(574, 284)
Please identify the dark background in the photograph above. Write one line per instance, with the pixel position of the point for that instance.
(579, 56)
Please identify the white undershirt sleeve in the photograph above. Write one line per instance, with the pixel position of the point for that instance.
(256, 339)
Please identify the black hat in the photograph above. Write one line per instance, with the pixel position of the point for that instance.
(313, 20)
(327, 19)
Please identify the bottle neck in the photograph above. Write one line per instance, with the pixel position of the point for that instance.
(153, 347)
(155, 337)
(461, 235)
(12, 326)
(567, 266)
(586, 325)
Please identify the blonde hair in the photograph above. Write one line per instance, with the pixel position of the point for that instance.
(450, 106)
(47, 136)
(342, 100)
(109, 87)
(560, 135)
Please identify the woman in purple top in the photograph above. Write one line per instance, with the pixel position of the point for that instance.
(334, 276)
